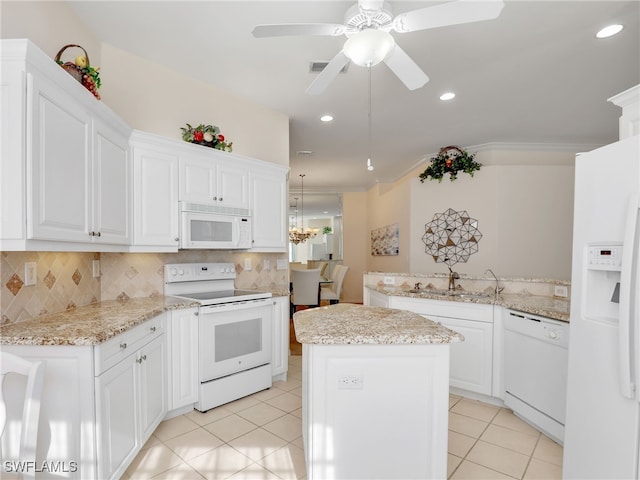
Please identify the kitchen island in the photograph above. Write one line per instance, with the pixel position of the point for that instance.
(375, 392)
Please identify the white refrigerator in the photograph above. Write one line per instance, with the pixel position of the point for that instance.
(602, 429)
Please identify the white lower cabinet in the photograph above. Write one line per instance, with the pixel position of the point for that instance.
(130, 395)
(280, 338)
(472, 361)
(182, 341)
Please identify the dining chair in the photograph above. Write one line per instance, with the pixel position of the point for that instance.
(332, 292)
(305, 288)
(22, 440)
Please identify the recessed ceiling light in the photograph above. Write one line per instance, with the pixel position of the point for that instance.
(609, 31)
(326, 118)
(447, 96)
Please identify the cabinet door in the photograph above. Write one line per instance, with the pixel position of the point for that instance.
(269, 211)
(117, 410)
(111, 186)
(153, 391)
(183, 358)
(233, 184)
(155, 198)
(58, 132)
(472, 360)
(198, 179)
(280, 337)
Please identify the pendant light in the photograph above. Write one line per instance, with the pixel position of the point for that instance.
(300, 235)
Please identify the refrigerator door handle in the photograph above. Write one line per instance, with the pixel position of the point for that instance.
(628, 298)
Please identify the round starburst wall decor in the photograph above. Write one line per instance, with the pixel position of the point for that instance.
(451, 237)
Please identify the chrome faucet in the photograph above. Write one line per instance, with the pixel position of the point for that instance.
(452, 279)
(417, 286)
(498, 289)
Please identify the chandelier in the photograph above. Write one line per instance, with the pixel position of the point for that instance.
(300, 235)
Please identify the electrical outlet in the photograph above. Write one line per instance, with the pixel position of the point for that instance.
(561, 291)
(389, 280)
(282, 264)
(350, 382)
(266, 263)
(247, 264)
(96, 268)
(30, 273)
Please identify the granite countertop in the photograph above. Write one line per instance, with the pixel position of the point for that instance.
(90, 324)
(346, 323)
(550, 307)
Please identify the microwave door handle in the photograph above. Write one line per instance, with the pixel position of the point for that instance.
(236, 232)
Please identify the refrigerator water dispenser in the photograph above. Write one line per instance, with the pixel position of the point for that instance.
(603, 267)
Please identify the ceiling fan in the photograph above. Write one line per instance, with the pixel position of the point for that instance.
(367, 25)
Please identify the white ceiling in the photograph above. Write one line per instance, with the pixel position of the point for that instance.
(537, 74)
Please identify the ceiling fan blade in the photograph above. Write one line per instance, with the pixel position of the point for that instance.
(326, 76)
(370, 4)
(453, 13)
(406, 69)
(287, 29)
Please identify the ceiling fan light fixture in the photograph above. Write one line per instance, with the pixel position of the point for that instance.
(609, 31)
(369, 47)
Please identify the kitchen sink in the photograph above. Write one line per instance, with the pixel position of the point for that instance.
(473, 295)
(447, 293)
(428, 291)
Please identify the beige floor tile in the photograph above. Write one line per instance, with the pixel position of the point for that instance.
(152, 461)
(288, 427)
(459, 444)
(230, 427)
(539, 470)
(287, 462)
(511, 439)
(475, 409)
(194, 443)
(265, 395)
(220, 463)
(286, 402)
(498, 458)
(548, 451)
(472, 471)
(466, 425)
(241, 404)
(297, 375)
(153, 440)
(181, 472)
(506, 418)
(298, 442)
(204, 418)
(452, 464)
(297, 391)
(297, 413)
(254, 472)
(290, 384)
(453, 399)
(257, 444)
(173, 427)
(261, 413)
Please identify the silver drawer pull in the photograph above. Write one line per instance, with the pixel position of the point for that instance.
(123, 346)
(138, 360)
(153, 329)
(144, 357)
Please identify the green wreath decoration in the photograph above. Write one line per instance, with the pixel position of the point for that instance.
(450, 160)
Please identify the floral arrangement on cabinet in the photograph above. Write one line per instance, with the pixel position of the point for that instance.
(450, 160)
(207, 135)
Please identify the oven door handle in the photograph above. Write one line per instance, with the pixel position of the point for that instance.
(235, 306)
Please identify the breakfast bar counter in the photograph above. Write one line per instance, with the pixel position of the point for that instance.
(375, 392)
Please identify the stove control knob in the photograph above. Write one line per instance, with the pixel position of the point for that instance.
(173, 272)
(181, 272)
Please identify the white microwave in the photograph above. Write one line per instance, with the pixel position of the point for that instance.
(204, 226)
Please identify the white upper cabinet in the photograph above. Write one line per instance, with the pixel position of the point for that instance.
(211, 176)
(269, 208)
(65, 161)
(155, 194)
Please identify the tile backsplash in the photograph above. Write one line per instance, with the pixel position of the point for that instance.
(65, 281)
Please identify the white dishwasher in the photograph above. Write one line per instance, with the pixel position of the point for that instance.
(535, 370)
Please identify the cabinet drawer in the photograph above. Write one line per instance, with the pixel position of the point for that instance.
(107, 354)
